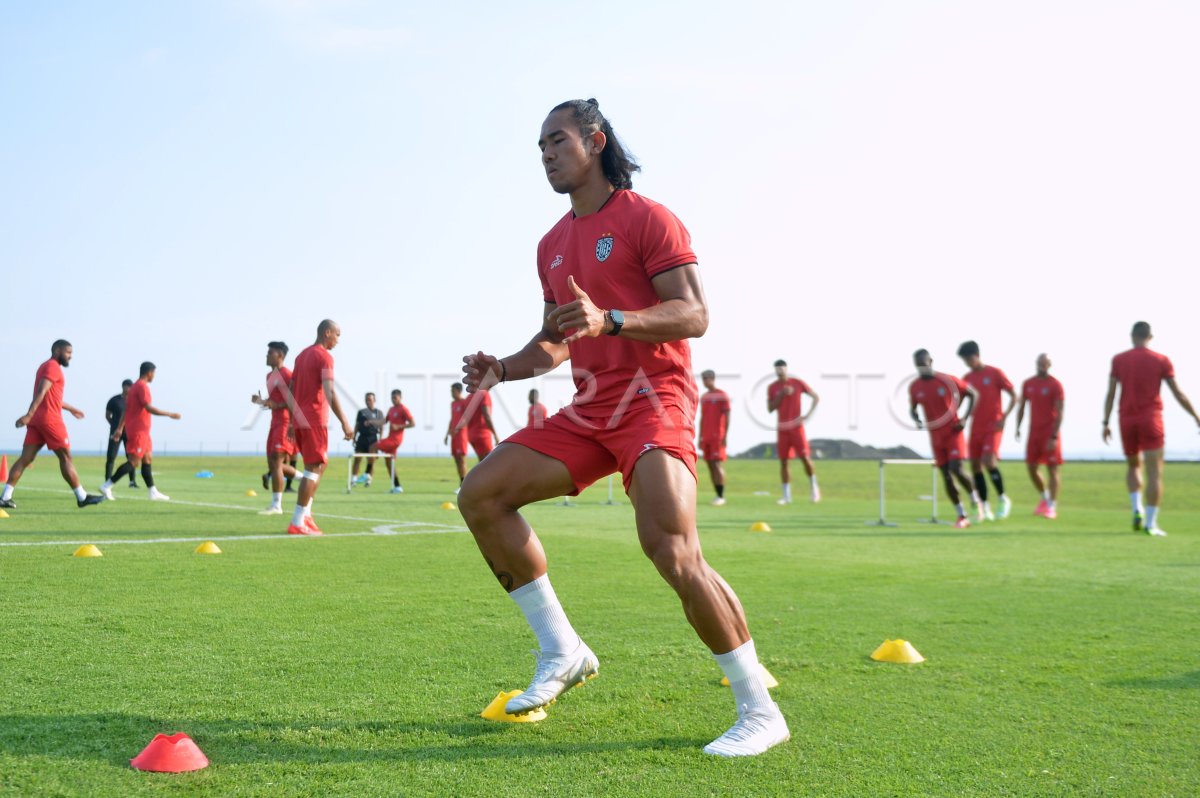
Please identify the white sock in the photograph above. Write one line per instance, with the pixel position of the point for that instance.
(1046, 495)
(545, 615)
(154, 490)
(108, 483)
(1151, 516)
(298, 514)
(962, 511)
(745, 676)
(8, 489)
(975, 497)
(1051, 503)
(1135, 499)
(787, 491)
(80, 493)
(813, 480)
(277, 500)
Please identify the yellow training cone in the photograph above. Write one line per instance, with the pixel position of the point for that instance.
(495, 710)
(3, 514)
(447, 505)
(251, 493)
(760, 526)
(208, 547)
(896, 651)
(87, 551)
(770, 681)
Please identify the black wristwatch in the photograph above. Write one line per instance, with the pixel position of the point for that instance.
(618, 321)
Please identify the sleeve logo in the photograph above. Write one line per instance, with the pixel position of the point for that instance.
(604, 246)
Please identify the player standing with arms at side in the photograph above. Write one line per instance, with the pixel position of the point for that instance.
(537, 411)
(622, 295)
(456, 431)
(114, 411)
(136, 425)
(399, 419)
(45, 427)
(313, 395)
(1044, 395)
(368, 426)
(281, 443)
(940, 397)
(783, 397)
(714, 427)
(1140, 372)
(481, 432)
(987, 427)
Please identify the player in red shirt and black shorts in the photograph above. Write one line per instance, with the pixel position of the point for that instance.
(135, 426)
(622, 295)
(44, 427)
(784, 397)
(940, 396)
(281, 438)
(1044, 395)
(1141, 372)
(313, 394)
(399, 419)
(987, 427)
(714, 427)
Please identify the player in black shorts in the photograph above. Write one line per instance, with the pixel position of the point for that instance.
(114, 411)
(367, 427)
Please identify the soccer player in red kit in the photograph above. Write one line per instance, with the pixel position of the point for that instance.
(135, 425)
(481, 432)
(784, 397)
(622, 295)
(714, 427)
(313, 395)
(537, 411)
(456, 432)
(399, 419)
(45, 427)
(1140, 372)
(281, 441)
(987, 427)
(1044, 395)
(940, 397)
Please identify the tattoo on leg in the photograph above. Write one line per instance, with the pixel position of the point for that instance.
(505, 578)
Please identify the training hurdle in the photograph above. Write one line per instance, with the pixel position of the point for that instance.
(933, 519)
(376, 455)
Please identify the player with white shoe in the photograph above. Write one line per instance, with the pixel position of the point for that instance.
(714, 427)
(987, 428)
(399, 418)
(1044, 395)
(784, 397)
(622, 296)
(940, 396)
(281, 441)
(135, 425)
(1140, 372)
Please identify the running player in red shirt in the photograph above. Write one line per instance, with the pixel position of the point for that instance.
(1044, 395)
(281, 441)
(481, 432)
(940, 397)
(537, 411)
(622, 295)
(987, 427)
(784, 397)
(313, 394)
(45, 427)
(399, 419)
(1140, 372)
(135, 425)
(714, 427)
(456, 431)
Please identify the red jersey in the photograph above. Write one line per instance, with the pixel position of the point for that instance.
(476, 423)
(613, 255)
(1141, 372)
(988, 382)
(137, 417)
(938, 398)
(398, 417)
(51, 406)
(789, 405)
(714, 415)
(458, 409)
(537, 415)
(278, 387)
(1041, 395)
(313, 366)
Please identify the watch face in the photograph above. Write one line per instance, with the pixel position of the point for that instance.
(617, 316)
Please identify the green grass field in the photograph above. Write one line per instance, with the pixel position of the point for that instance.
(1063, 657)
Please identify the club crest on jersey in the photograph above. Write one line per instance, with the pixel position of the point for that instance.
(604, 246)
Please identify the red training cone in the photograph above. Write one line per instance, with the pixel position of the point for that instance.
(3, 468)
(174, 754)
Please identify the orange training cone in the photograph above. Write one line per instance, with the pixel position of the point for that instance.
(170, 754)
(3, 468)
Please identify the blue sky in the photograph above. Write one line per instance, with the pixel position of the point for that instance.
(186, 181)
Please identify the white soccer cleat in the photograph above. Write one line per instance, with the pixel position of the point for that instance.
(980, 513)
(555, 675)
(783, 501)
(1005, 507)
(719, 501)
(988, 515)
(755, 732)
(1156, 532)
(158, 496)
(272, 510)
(816, 495)
(106, 492)
(396, 489)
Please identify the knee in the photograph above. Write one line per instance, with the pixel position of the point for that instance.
(677, 562)
(481, 497)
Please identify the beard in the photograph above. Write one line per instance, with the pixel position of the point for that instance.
(62, 361)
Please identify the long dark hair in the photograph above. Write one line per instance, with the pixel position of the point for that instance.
(618, 165)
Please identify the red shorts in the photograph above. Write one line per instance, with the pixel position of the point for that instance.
(947, 445)
(278, 441)
(792, 443)
(591, 454)
(390, 444)
(458, 443)
(313, 444)
(51, 433)
(138, 444)
(482, 444)
(1039, 452)
(714, 451)
(985, 442)
(1142, 434)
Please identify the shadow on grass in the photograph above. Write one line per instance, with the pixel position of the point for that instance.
(1184, 681)
(115, 738)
